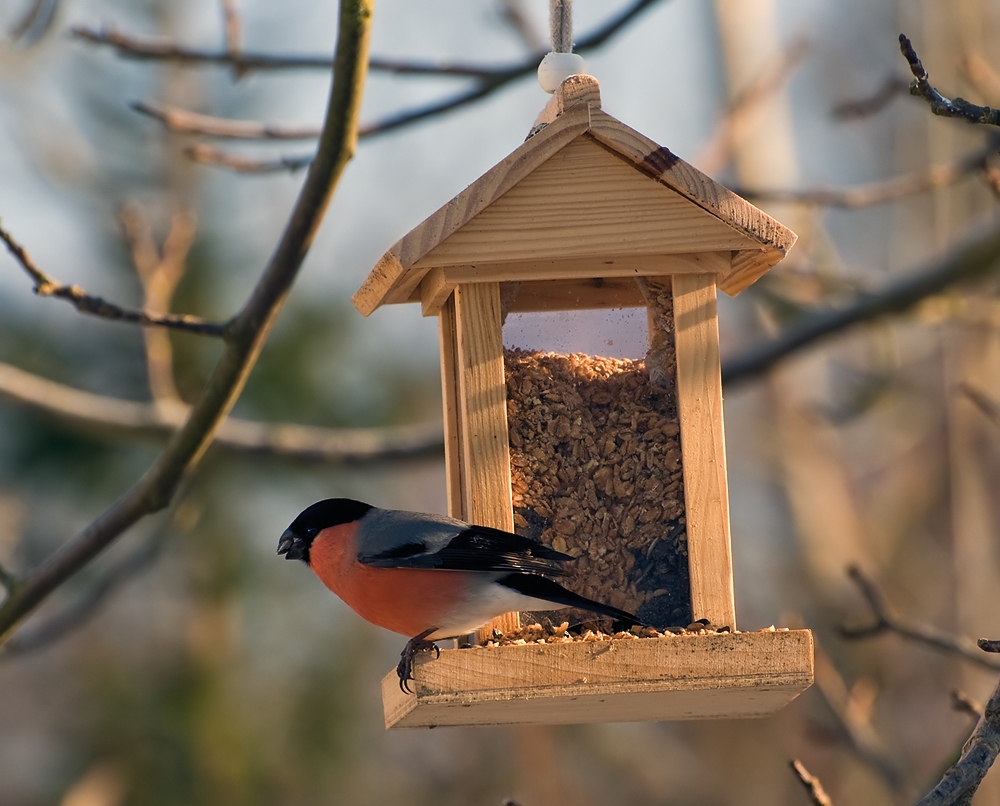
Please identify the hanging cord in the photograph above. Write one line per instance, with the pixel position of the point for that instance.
(562, 62)
(561, 25)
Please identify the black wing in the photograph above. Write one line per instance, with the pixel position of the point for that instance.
(478, 548)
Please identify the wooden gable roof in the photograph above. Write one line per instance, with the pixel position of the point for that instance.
(584, 196)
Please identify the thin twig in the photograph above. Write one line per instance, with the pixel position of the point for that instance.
(247, 333)
(962, 779)
(817, 795)
(891, 88)
(46, 286)
(233, 27)
(986, 404)
(977, 258)
(961, 701)
(208, 155)
(885, 620)
(881, 192)
(113, 417)
(939, 105)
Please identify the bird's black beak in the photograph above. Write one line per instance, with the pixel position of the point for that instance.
(290, 544)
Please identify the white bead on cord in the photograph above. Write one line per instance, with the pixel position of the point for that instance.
(557, 67)
(562, 63)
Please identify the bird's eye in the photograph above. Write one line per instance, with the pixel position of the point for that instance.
(311, 532)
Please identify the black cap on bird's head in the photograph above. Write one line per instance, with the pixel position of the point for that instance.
(297, 538)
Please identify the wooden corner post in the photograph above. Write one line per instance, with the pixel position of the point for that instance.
(484, 456)
(703, 448)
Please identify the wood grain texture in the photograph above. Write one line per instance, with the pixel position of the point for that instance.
(584, 270)
(573, 91)
(571, 295)
(772, 238)
(434, 291)
(391, 280)
(685, 677)
(584, 202)
(703, 448)
(482, 410)
(448, 335)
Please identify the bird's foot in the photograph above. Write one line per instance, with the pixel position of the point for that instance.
(418, 643)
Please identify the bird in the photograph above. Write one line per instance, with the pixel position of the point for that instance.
(428, 577)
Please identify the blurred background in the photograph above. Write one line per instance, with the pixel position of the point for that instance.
(211, 672)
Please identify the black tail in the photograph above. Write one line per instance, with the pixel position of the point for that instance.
(542, 588)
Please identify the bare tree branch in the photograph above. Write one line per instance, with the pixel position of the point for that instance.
(244, 338)
(881, 192)
(46, 286)
(962, 779)
(939, 105)
(887, 621)
(891, 88)
(977, 258)
(961, 701)
(817, 795)
(126, 419)
(207, 155)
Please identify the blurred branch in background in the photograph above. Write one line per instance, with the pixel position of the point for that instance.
(133, 47)
(244, 335)
(487, 81)
(208, 155)
(975, 259)
(852, 709)
(950, 108)
(126, 419)
(814, 789)
(517, 17)
(181, 121)
(718, 151)
(884, 192)
(887, 621)
(962, 779)
(89, 603)
(45, 286)
(891, 88)
(35, 22)
(984, 402)
(159, 270)
(961, 701)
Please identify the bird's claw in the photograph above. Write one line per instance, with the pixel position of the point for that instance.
(418, 643)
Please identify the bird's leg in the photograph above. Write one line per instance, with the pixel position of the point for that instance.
(417, 643)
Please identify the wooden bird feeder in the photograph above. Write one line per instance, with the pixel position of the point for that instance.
(589, 214)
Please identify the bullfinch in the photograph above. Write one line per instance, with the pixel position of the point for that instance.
(427, 576)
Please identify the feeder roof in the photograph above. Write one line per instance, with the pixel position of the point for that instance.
(584, 196)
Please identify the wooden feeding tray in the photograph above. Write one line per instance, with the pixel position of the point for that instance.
(619, 463)
(724, 675)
